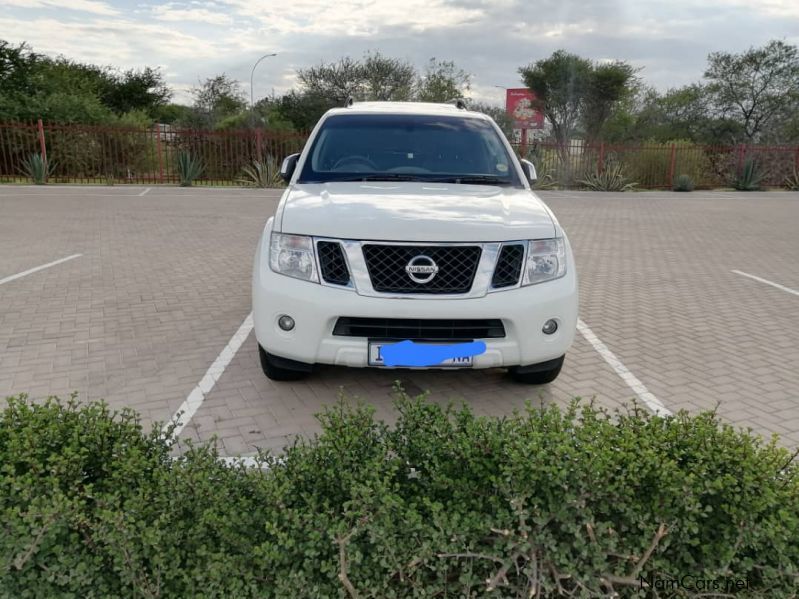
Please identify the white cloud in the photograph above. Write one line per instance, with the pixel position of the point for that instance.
(173, 11)
(91, 6)
(354, 17)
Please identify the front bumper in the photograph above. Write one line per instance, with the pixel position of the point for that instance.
(315, 309)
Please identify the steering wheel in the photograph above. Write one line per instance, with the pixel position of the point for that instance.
(355, 161)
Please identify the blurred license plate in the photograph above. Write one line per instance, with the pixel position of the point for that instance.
(376, 357)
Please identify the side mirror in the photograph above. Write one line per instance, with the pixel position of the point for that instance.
(288, 166)
(529, 171)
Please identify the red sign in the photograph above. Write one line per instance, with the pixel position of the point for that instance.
(519, 105)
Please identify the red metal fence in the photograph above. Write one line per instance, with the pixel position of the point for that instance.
(656, 166)
(93, 154)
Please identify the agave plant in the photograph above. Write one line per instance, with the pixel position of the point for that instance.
(683, 183)
(189, 168)
(611, 178)
(38, 168)
(262, 173)
(792, 181)
(749, 178)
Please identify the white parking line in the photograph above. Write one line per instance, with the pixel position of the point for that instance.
(646, 396)
(30, 271)
(145, 191)
(195, 399)
(766, 281)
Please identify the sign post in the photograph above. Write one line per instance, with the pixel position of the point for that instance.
(519, 106)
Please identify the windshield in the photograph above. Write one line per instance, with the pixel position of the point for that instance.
(380, 147)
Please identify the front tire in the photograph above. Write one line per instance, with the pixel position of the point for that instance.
(537, 374)
(282, 369)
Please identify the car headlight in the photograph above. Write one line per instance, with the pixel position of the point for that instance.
(546, 260)
(293, 256)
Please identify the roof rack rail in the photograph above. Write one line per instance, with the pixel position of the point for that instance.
(349, 102)
(459, 103)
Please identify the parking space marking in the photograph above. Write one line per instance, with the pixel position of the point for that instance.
(652, 402)
(195, 399)
(30, 271)
(145, 192)
(766, 281)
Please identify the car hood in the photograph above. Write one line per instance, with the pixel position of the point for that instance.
(411, 211)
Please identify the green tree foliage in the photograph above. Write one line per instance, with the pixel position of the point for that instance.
(387, 78)
(375, 77)
(573, 92)
(442, 81)
(756, 87)
(559, 83)
(215, 99)
(59, 89)
(143, 89)
(608, 84)
(498, 113)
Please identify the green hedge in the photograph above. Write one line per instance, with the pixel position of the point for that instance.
(444, 504)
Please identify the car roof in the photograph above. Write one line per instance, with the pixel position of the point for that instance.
(423, 108)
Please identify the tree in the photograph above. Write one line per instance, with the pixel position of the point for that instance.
(334, 82)
(303, 109)
(560, 84)
(387, 78)
(442, 81)
(498, 113)
(137, 90)
(216, 99)
(755, 87)
(608, 84)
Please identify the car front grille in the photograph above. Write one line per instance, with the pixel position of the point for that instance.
(419, 329)
(509, 266)
(457, 265)
(332, 263)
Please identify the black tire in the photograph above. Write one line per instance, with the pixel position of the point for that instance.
(537, 374)
(282, 369)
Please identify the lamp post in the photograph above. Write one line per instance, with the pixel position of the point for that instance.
(252, 75)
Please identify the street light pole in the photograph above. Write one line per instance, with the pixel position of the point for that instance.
(252, 75)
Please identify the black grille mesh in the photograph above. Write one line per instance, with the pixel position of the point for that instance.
(457, 265)
(332, 263)
(509, 266)
(419, 329)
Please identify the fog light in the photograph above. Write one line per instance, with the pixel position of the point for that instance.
(285, 322)
(550, 326)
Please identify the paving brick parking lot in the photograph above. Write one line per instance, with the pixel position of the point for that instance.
(696, 296)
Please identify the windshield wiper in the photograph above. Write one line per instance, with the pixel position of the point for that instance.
(380, 177)
(476, 179)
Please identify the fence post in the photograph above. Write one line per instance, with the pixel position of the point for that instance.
(42, 145)
(259, 134)
(601, 164)
(796, 160)
(673, 165)
(157, 128)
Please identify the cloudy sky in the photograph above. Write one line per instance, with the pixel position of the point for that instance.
(195, 39)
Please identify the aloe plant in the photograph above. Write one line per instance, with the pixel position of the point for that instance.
(749, 178)
(38, 168)
(792, 181)
(683, 183)
(189, 168)
(612, 178)
(262, 173)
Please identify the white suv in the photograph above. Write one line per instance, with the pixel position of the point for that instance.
(408, 236)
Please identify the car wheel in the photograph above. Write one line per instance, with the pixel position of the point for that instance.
(537, 374)
(282, 369)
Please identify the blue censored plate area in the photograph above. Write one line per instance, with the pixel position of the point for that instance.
(424, 354)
